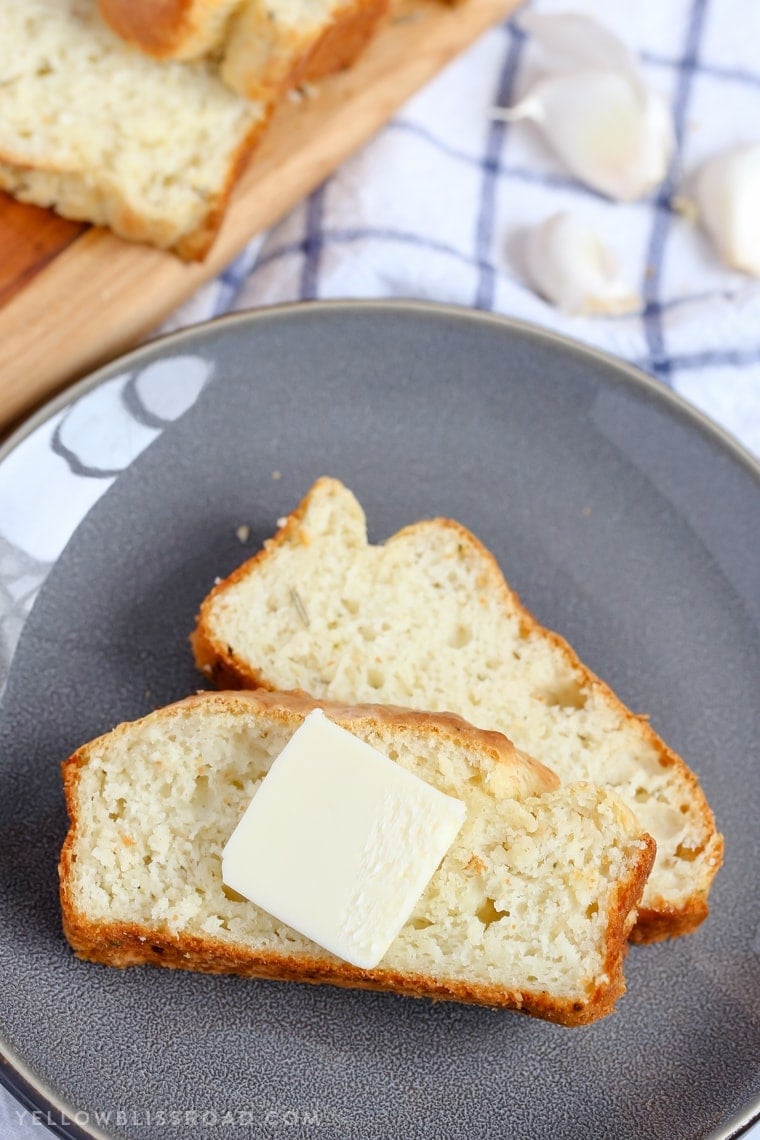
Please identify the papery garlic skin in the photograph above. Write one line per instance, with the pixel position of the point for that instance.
(569, 265)
(609, 136)
(727, 190)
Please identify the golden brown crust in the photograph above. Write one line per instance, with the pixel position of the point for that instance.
(666, 921)
(341, 42)
(219, 664)
(122, 945)
(290, 708)
(279, 58)
(264, 58)
(125, 944)
(164, 29)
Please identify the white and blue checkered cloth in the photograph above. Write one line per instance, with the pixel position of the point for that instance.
(431, 207)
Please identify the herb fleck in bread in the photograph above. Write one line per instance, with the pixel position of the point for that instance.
(427, 620)
(530, 908)
(103, 134)
(263, 47)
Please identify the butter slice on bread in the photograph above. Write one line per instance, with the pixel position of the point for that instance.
(427, 620)
(530, 908)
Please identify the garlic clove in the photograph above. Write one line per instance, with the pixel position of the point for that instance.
(578, 41)
(609, 135)
(727, 190)
(569, 265)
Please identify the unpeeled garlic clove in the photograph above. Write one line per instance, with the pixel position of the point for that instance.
(607, 134)
(569, 265)
(727, 191)
(606, 126)
(577, 41)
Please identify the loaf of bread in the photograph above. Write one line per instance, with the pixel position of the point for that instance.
(529, 909)
(427, 620)
(262, 48)
(101, 133)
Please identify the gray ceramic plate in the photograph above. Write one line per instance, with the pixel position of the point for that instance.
(623, 519)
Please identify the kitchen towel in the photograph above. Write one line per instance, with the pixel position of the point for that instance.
(434, 207)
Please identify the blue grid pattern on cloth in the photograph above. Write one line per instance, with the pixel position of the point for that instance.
(432, 208)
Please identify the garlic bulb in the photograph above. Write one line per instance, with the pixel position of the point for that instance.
(609, 130)
(569, 265)
(727, 190)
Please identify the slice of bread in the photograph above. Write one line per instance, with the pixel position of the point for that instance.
(529, 909)
(427, 620)
(103, 134)
(272, 47)
(171, 29)
(263, 47)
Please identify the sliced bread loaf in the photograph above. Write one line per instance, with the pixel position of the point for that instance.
(427, 620)
(171, 29)
(529, 909)
(103, 134)
(263, 47)
(272, 47)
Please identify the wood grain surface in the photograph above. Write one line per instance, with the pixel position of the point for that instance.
(73, 297)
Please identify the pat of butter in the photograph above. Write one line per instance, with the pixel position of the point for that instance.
(339, 842)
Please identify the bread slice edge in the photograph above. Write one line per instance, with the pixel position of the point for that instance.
(659, 918)
(122, 944)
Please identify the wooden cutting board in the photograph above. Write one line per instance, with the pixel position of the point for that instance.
(73, 296)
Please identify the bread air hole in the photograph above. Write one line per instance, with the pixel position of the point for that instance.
(202, 793)
(375, 678)
(569, 694)
(488, 912)
(688, 853)
(642, 795)
(461, 636)
(421, 923)
(233, 896)
(118, 810)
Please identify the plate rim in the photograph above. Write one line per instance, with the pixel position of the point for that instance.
(649, 385)
(15, 1075)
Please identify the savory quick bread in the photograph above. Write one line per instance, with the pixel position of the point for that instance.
(101, 133)
(529, 909)
(427, 620)
(263, 47)
(171, 29)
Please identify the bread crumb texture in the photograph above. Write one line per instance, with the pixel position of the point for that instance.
(530, 907)
(427, 620)
(102, 133)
